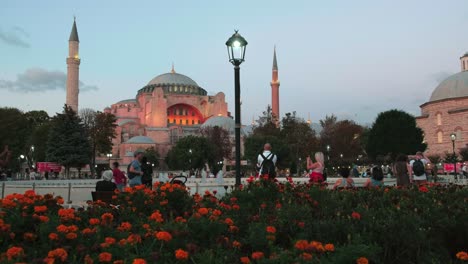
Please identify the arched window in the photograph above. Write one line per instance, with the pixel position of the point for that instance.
(439, 119)
(440, 137)
(459, 134)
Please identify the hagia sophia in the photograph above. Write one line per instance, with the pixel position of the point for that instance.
(173, 105)
(170, 106)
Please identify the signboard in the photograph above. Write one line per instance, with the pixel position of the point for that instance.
(48, 166)
(448, 167)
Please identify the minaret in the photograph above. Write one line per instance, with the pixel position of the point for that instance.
(275, 88)
(464, 62)
(73, 66)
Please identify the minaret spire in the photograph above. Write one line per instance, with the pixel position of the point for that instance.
(73, 68)
(172, 70)
(275, 87)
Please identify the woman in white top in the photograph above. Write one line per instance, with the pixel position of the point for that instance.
(317, 168)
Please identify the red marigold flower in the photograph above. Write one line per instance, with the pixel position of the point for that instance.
(301, 224)
(110, 240)
(306, 256)
(181, 254)
(356, 215)
(58, 253)
(107, 218)
(139, 261)
(329, 247)
(423, 189)
(105, 257)
(203, 211)
(462, 255)
(302, 245)
(88, 231)
(245, 260)
(62, 229)
(229, 221)
(217, 212)
(156, 216)
(88, 260)
(164, 236)
(66, 214)
(40, 209)
(236, 244)
(118, 262)
(29, 236)
(14, 252)
(271, 229)
(180, 219)
(362, 260)
(233, 229)
(236, 207)
(134, 239)
(43, 219)
(53, 236)
(125, 226)
(71, 236)
(94, 221)
(257, 255)
(263, 205)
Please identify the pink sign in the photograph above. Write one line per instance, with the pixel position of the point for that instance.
(448, 167)
(48, 166)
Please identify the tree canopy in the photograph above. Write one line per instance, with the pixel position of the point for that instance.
(191, 152)
(394, 132)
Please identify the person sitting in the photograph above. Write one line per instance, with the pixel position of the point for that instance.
(377, 178)
(317, 168)
(106, 185)
(345, 181)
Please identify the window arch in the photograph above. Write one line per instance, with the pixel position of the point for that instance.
(459, 133)
(440, 137)
(439, 119)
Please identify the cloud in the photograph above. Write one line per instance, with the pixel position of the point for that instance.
(15, 36)
(40, 80)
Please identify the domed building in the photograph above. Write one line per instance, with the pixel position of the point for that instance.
(169, 107)
(446, 112)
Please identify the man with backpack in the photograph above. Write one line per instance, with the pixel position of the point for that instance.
(267, 162)
(134, 171)
(418, 168)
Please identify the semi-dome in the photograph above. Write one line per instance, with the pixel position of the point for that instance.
(173, 78)
(140, 140)
(453, 87)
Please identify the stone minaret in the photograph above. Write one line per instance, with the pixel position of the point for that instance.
(73, 69)
(275, 88)
(464, 62)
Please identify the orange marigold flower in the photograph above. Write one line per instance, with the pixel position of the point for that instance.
(233, 229)
(62, 229)
(105, 257)
(181, 254)
(164, 236)
(29, 236)
(88, 231)
(257, 255)
(72, 228)
(40, 209)
(271, 229)
(53, 236)
(71, 236)
(302, 245)
(134, 239)
(180, 219)
(462, 255)
(203, 211)
(58, 253)
(356, 215)
(88, 260)
(245, 260)
(236, 244)
(362, 260)
(94, 221)
(236, 207)
(43, 218)
(66, 214)
(14, 252)
(229, 221)
(110, 240)
(125, 226)
(139, 261)
(156, 216)
(107, 218)
(330, 247)
(306, 256)
(423, 189)
(217, 212)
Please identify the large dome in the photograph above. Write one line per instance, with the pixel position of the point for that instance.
(173, 78)
(453, 87)
(220, 121)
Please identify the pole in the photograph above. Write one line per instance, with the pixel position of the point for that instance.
(454, 161)
(238, 122)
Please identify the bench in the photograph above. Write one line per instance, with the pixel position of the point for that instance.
(105, 197)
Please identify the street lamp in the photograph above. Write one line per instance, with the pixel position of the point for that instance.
(190, 159)
(109, 156)
(328, 152)
(341, 155)
(236, 46)
(453, 136)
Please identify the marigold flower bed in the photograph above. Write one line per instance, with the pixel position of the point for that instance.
(263, 222)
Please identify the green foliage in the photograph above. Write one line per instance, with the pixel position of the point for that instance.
(464, 153)
(394, 132)
(450, 157)
(68, 142)
(191, 152)
(219, 137)
(152, 156)
(14, 133)
(39, 140)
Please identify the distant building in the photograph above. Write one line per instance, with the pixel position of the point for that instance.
(446, 112)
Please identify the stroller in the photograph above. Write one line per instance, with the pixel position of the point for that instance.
(181, 180)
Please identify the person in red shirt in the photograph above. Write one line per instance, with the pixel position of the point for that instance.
(119, 177)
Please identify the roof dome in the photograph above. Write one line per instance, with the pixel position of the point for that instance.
(220, 121)
(453, 87)
(140, 140)
(173, 78)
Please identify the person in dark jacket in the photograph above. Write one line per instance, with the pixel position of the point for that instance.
(147, 178)
(106, 185)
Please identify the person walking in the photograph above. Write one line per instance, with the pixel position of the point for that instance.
(418, 168)
(316, 176)
(134, 169)
(266, 162)
(400, 170)
(119, 177)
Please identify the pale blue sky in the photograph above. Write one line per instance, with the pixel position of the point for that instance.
(350, 58)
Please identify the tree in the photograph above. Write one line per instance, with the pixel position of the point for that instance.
(220, 139)
(394, 132)
(266, 124)
(464, 153)
(152, 155)
(191, 152)
(14, 132)
(68, 142)
(39, 139)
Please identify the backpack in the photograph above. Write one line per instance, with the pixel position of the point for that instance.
(418, 168)
(129, 174)
(268, 166)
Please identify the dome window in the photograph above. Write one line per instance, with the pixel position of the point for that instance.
(439, 119)
(440, 137)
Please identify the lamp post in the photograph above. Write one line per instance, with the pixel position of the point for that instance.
(190, 159)
(236, 46)
(109, 156)
(328, 152)
(453, 136)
